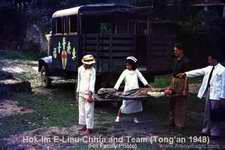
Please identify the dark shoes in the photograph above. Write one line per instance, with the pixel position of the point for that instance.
(172, 125)
(82, 129)
(88, 132)
(205, 132)
(85, 130)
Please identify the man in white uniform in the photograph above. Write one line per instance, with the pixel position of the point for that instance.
(212, 90)
(85, 90)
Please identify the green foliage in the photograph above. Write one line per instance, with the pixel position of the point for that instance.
(162, 81)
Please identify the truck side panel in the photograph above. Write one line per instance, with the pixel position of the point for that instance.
(110, 50)
(64, 51)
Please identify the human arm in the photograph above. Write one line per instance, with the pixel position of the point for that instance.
(78, 80)
(120, 80)
(78, 84)
(92, 81)
(142, 79)
(193, 73)
(196, 72)
(222, 96)
(92, 86)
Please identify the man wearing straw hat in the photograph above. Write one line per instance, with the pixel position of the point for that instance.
(85, 89)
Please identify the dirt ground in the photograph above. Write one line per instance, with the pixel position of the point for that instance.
(47, 119)
(9, 107)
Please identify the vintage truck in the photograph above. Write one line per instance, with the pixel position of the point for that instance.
(110, 32)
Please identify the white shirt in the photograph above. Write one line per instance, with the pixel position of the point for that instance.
(223, 86)
(217, 82)
(86, 80)
(131, 79)
(131, 82)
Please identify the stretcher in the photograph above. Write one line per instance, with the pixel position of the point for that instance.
(119, 96)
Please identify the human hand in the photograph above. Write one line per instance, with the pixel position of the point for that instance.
(184, 93)
(169, 91)
(181, 75)
(115, 89)
(148, 86)
(90, 98)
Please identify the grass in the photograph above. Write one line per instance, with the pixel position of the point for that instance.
(159, 108)
(165, 80)
(21, 55)
(55, 107)
(162, 81)
(47, 112)
(54, 112)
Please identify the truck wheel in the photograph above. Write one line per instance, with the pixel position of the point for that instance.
(45, 80)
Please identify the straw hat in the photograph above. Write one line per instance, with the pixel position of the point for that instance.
(88, 59)
(132, 58)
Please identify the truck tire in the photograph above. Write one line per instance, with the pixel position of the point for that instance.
(45, 80)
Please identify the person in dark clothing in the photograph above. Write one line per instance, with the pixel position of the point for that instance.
(177, 103)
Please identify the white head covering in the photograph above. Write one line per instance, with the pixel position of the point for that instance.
(88, 59)
(132, 58)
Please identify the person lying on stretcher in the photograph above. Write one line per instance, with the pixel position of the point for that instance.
(111, 93)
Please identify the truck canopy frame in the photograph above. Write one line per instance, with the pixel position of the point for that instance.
(95, 9)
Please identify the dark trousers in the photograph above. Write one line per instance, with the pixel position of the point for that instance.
(177, 104)
(211, 127)
(177, 110)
